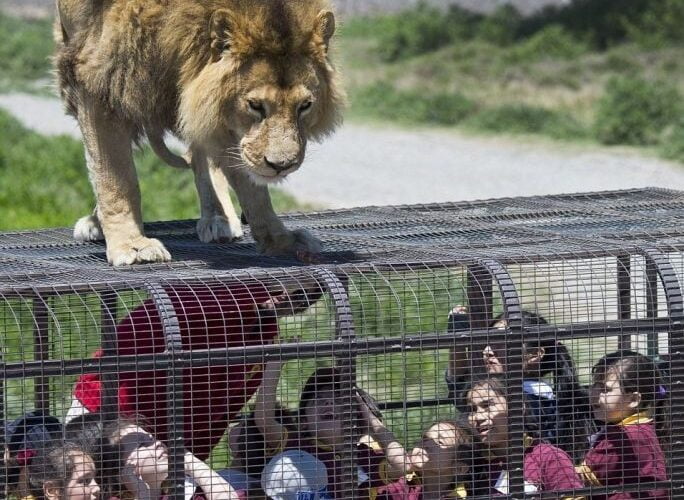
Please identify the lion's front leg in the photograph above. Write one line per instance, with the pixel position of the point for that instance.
(218, 220)
(112, 172)
(270, 234)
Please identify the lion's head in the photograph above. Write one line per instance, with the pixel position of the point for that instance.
(265, 86)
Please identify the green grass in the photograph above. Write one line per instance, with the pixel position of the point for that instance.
(45, 182)
(25, 50)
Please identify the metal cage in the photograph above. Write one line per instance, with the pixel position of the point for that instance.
(191, 337)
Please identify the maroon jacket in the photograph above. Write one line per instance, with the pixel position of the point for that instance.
(626, 454)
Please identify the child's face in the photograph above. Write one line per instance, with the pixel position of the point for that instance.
(435, 453)
(608, 400)
(81, 485)
(147, 455)
(323, 416)
(489, 415)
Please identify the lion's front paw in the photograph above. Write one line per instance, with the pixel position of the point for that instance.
(88, 228)
(137, 251)
(290, 243)
(218, 228)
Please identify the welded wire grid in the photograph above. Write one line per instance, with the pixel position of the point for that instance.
(432, 311)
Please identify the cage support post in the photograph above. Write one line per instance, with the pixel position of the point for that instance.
(675, 398)
(41, 352)
(175, 395)
(624, 296)
(345, 360)
(652, 305)
(110, 381)
(514, 377)
(479, 289)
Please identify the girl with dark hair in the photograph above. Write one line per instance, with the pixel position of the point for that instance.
(380, 457)
(545, 467)
(25, 437)
(557, 404)
(628, 395)
(63, 471)
(135, 465)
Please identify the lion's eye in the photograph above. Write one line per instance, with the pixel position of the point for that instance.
(257, 106)
(305, 106)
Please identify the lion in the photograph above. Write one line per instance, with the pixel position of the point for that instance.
(245, 83)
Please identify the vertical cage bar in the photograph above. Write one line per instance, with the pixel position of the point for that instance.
(479, 289)
(514, 376)
(41, 352)
(652, 305)
(624, 268)
(675, 401)
(345, 360)
(110, 381)
(175, 393)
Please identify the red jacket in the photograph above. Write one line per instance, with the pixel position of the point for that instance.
(209, 316)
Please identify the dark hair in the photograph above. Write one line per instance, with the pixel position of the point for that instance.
(251, 446)
(569, 424)
(470, 451)
(637, 373)
(24, 438)
(88, 430)
(53, 464)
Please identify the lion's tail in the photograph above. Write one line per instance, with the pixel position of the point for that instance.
(160, 148)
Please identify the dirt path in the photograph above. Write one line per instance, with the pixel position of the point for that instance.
(364, 165)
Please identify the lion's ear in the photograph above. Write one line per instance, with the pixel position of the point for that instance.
(325, 26)
(220, 33)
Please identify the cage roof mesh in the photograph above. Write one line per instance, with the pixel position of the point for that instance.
(509, 230)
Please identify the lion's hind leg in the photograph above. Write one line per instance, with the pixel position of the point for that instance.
(111, 169)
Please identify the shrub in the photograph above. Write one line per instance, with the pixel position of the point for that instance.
(421, 30)
(501, 26)
(525, 119)
(661, 23)
(636, 111)
(602, 23)
(25, 48)
(382, 100)
(673, 144)
(552, 42)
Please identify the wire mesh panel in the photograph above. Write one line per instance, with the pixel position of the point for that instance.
(515, 347)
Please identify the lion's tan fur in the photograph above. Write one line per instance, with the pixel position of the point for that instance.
(186, 66)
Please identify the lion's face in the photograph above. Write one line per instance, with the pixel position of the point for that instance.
(273, 119)
(258, 103)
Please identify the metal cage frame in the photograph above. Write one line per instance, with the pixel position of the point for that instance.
(30, 268)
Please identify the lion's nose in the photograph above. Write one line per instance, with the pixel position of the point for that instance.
(281, 165)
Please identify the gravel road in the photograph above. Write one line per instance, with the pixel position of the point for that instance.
(368, 165)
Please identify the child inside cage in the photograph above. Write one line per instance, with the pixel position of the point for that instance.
(210, 316)
(322, 413)
(135, 465)
(628, 395)
(556, 401)
(447, 462)
(545, 468)
(63, 471)
(248, 447)
(25, 437)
